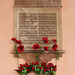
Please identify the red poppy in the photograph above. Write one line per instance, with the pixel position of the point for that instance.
(51, 65)
(44, 69)
(28, 70)
(54, 40)
(21, 65)
(36, 63)
(36, 46)
(19, 70)
(47, 69)
(55, 66)
(55, 47)
(33, 68)
(20, 48)
(43, 64)
(18, 42)
(13, 39)
(48, 66)
(51, 73)
(54, 69)
(33, 63)
(40, 67)
(50, 69)
(26, 63)
(22, 68)
(45, 39)
(45, 48)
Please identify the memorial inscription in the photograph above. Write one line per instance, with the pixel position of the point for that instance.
(34, 26)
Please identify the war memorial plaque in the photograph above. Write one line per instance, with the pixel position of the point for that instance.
(34, 20)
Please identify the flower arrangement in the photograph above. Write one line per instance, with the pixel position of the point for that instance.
(43, 68)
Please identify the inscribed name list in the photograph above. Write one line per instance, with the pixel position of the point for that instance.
(33, 26)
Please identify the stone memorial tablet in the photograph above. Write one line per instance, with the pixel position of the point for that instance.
(33, 21)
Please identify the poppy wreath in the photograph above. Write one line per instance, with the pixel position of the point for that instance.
(18, 47)
(43, 68)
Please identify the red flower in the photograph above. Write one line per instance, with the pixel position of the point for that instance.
(45, 48)
(51, 65)
(55, 66)
(51, 73)
(40, 67)
(48, 66)
(33, 68)
(55, 47)
(54, 69)
(19, 70)
(43, 64)
(45, 39)
(28, 70)
(21, 65)
(44, 69)
(13, 39)
(54, 40)
(50, 69)
(36, 46)
(33, 63)
(36, 63)
(20, 48)
(22, 68)
(18, 42)
(26, 63)
(47, 69)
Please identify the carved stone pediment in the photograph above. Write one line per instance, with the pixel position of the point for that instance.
(37, 3)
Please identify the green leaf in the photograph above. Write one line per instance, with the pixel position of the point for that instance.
(38, 70)
(45, 74)
(40, 65)
(53, 72)
(25, 71)
(37, 56)
(24, 68)
(57, 55)
(15, 47)
(20, 74)
(16, 54)
(37, 73)
(41, 71)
